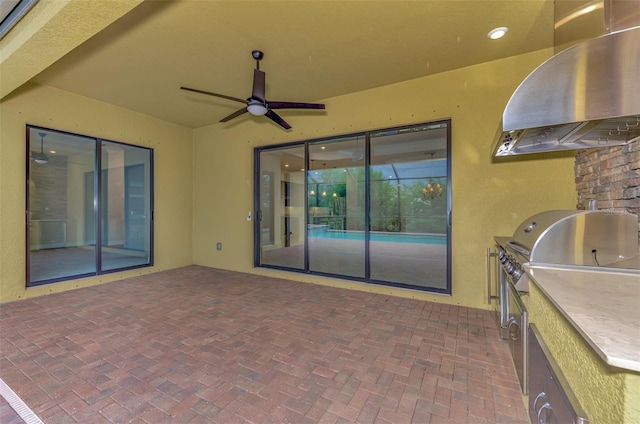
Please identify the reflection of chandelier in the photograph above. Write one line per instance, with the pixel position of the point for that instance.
(431, 192)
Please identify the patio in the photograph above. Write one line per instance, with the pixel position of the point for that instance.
(201, 345)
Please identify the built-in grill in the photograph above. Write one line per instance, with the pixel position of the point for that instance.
(566, 238)
(590, 238)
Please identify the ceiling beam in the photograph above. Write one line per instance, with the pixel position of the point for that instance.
(50, 30)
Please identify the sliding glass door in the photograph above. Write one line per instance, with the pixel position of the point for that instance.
(61, 235)
(126, 217)
(408, 214)
(336, 207)
(281, 212)
(370, 207)
(82, 222)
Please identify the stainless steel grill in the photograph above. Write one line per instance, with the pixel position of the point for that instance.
(577, 238)
(585, 239)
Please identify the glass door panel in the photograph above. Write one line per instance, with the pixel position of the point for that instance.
(336, 207)
(281, 204)
(61, 206)
(126, 206)
(408, 183)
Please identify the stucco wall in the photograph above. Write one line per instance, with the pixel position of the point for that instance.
(490, 197)
(52, 108)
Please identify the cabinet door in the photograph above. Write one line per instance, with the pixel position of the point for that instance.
(550, 399)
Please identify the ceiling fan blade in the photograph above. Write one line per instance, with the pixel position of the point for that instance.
(277, 119)
(258, 84)
(295, 105)
(208, 93)
(234, 115)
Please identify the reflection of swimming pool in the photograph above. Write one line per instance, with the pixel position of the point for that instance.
(376, 236)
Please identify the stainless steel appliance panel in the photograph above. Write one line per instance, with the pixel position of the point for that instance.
(595, 238)
(497, 282)
(550, 399)
(517, 333)
(584, 96)
(503, 290)
(585, 238)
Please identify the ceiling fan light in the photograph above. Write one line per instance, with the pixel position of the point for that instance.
(257, 109)
(40, 158)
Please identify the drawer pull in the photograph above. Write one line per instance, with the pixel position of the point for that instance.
(541, 395)
(547, 410)
(514, 334)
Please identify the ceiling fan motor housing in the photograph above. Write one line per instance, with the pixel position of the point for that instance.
(257, 54)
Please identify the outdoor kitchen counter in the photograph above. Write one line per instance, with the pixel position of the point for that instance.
(603, 306)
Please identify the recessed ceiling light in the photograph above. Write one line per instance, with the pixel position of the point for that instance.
(496, 33)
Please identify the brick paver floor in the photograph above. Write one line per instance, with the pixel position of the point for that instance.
(200, 345)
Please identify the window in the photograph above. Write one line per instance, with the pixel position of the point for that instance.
(89, 206)
(11, 11)
(370, 207)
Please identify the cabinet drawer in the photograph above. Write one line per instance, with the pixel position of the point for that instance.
(551, 400)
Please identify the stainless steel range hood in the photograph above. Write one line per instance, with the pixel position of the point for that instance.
(583, 97)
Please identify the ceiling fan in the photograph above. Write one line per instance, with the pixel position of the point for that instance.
(257, 104)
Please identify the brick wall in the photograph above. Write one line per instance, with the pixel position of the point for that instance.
(610, 175)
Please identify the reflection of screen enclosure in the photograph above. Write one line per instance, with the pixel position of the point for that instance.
(371, 207)
(83, 222)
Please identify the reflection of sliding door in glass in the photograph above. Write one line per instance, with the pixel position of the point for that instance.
(408, 213)
(67, 199)
(281, 216)
(336, 207)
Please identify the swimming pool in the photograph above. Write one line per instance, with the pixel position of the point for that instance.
(378, 236)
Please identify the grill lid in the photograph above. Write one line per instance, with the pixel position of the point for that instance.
(584, 238)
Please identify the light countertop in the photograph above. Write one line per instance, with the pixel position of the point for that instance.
(603, 306)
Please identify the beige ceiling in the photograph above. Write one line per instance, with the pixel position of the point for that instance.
(314, 50)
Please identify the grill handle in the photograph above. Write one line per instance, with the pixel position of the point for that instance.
(519, 248)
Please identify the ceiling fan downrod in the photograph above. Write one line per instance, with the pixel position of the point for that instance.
(257, 55)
